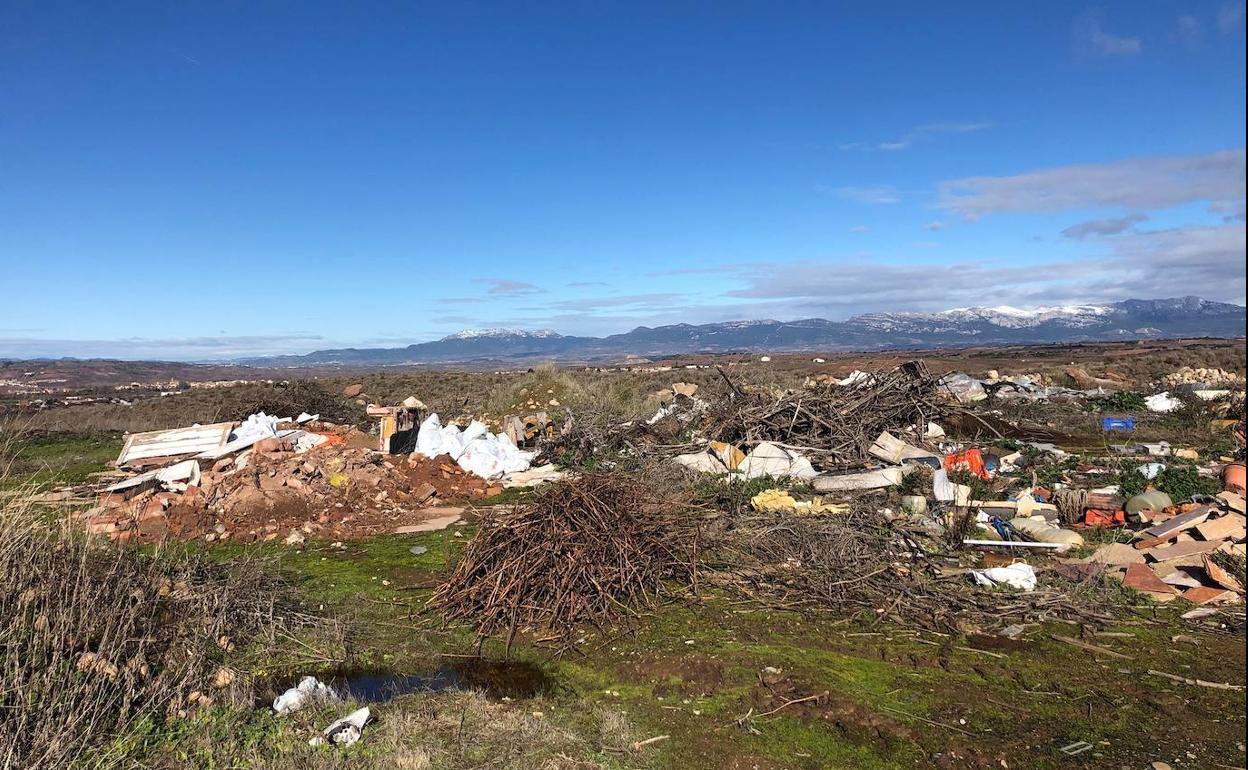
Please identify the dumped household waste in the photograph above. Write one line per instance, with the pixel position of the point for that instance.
(475, 448)
(310, 690)
(345, 731)
(1020, 576)
(268, 481)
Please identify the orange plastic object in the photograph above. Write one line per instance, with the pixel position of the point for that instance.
(971, 460)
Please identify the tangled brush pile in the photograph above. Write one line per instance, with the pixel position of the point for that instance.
(590, 549)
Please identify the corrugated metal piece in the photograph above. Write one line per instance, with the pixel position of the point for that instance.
(171, 443)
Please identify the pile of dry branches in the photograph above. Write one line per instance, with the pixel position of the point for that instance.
(859, 562)
(832, 424)
(586, 550)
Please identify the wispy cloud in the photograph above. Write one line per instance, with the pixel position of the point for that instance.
(859, 229)
(916, 135)
(1090, 34)
(935, 227)
(503, 287)
(156, 348)
(1231, 18)
(874, 195)
(1207, 261)
(1189, 31)
(587, 284)
(1134, 183)
(1111, 226)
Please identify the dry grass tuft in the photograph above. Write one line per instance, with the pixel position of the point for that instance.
(98, 640)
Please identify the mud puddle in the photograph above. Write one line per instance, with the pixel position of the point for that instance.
(512, 680)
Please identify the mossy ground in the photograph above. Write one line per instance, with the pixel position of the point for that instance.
(727, 682)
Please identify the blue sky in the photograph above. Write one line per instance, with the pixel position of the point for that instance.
(206, 180)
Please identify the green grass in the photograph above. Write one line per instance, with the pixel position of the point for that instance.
(57, 459)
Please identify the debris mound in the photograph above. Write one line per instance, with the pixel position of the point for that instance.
(832, 423)
(333, 491)
(587, 550)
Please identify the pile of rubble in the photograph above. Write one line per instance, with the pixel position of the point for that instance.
(1212, 379)
(332, 492)
(1177, 554)
(268, 478)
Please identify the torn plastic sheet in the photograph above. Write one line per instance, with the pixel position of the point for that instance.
(768, 459)
(1162, 402)
(1018, 575)
(309, 690)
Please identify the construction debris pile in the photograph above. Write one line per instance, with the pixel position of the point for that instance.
(833, 425)
(267, 478)
(886, 567)
(585, 551)
(909, 516)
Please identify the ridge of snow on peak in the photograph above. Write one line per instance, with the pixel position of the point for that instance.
(473, 334)
(1004, 316)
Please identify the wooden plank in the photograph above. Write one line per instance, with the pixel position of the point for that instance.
(1174, 526)
(1098, 649)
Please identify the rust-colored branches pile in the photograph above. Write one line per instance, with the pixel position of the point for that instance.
(832, 424)
(588, 550)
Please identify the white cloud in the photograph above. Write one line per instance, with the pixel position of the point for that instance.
(1089, 32)
(916, 135)
(172, 348)
(934, 227)
(504, 287)
(859, 229)
(1132, 183)
(1189, 30)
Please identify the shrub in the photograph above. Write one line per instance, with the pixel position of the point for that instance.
(101, 641)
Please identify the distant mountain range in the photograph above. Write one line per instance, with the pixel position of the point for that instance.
(1126, 320)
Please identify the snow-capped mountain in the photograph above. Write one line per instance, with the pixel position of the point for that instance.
(1002, 325)
(496, 333)
(1073, 316)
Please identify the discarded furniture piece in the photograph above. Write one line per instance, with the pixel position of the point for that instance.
(397, 425)
(156, 446)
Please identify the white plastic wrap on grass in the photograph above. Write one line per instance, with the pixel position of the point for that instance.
(1020, 576)
(309, 690)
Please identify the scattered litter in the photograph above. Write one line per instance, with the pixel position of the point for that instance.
(309, 690)
(1019, 575)
(345, 731)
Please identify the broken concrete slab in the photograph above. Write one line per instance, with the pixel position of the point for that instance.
(1207, 595)
(439, 518)
(1230, 525)
(1181, 550)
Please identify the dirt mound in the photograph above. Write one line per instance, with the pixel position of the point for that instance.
(332, 492)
